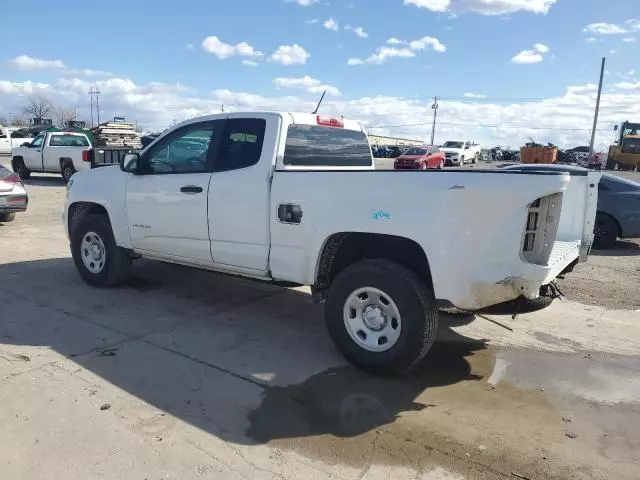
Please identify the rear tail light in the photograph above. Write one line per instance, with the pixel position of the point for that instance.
(86, 157)
(13, 178)
(543, 218)
(329, 122)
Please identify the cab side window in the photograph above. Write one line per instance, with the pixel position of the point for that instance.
(38, 141)
(241, 143)
(184, 151)
(3, 134)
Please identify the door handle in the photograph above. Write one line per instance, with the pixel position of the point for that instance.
(38, 151)
(191, 189)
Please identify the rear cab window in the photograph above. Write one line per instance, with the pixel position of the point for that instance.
(326, 147)
(63, 140)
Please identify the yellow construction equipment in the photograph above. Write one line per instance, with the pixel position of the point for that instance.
(624, 154)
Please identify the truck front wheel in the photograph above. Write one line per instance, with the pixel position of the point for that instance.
(20, 168)
(381, 316)
(98, 259)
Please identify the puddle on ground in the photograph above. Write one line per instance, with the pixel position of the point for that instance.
(471, 408)
(447, 415)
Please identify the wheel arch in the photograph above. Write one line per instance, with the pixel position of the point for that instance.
(615, 220)
(342, 249)
(78, 210)
(14, 159)
(63, 160)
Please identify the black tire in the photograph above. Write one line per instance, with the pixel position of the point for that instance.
(415, 302)
(605, 232)
(21, 169)
(474, 160)
(67, 171)
(117, 265)
(7, 217)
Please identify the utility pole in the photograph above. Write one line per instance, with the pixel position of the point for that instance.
(94, 91)
(595, 116)
(222, 108)
(434, 107)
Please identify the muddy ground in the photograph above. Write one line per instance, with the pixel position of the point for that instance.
(188, 374)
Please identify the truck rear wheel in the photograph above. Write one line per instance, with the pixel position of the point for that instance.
(67, 171)
(98, 259)
(381, 316)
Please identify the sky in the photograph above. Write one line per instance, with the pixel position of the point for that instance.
(505, 71)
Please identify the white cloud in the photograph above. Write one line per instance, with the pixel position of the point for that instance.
(474, 95)
(290, 55)
(190, 46)
(155, 105)
(534, 55)
(383, 54)
(590, 39)
(628, 86)
(425, 42)
(359, 31)
(331, 24)
(629, 40)
(527, 57)
(224, 50)
(484, 7)
(541, 48)
(602, 28)
(250, 63)
(25, 62)
(307, 83)
(578, 89)
(303, 3)
(313, 21)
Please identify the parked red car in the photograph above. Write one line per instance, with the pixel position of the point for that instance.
(420, 158)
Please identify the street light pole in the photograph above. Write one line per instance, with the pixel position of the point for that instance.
(434, 107)
(595, 117)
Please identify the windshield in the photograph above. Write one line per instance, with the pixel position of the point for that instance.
(416, 151)
(631, 145)
(452, 145)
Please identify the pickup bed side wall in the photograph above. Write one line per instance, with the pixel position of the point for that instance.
(472, 237)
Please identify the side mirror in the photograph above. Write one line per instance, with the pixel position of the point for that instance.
(25, 144)
(130, 163)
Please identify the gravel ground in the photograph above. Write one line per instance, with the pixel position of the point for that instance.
(187, 374)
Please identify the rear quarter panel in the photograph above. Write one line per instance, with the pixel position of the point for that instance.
(468, 223)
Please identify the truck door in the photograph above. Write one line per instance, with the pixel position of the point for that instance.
(167, 202)
(239, 203)
(33, 154)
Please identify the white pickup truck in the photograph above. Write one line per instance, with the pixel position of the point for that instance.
(458, 152)
(294, 197)
(11, 138)
(53, 152)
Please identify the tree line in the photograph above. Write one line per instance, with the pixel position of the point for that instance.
(41, 107)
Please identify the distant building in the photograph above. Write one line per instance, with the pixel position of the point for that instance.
(392, 141)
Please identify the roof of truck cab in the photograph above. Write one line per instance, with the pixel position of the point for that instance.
(296, 117)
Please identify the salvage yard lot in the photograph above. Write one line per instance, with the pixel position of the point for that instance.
(188, 374)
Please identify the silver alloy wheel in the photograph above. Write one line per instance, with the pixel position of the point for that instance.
(93, 252)
(372, 319)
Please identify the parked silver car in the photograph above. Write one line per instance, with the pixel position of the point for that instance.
(13, 196)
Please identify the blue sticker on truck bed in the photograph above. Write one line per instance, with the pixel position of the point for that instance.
(381, 214)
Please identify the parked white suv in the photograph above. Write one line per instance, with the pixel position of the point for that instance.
(458, 152)
(294, 197)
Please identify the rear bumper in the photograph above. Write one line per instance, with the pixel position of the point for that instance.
(482, 292)
(13, 203)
